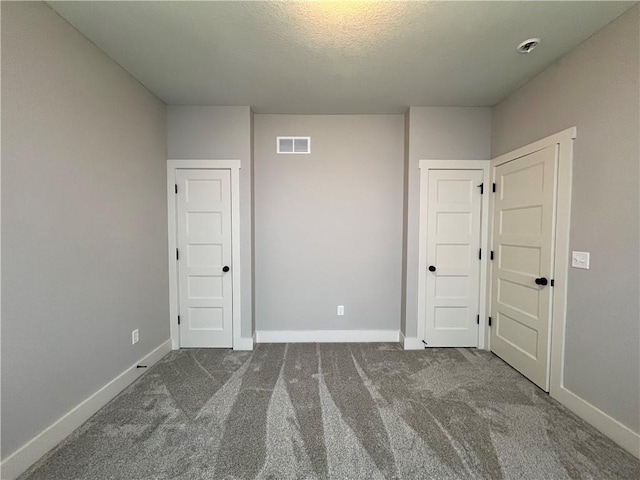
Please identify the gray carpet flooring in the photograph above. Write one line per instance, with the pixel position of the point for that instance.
(334, 411)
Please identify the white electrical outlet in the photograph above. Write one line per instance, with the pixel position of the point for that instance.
(135, 336)
(340, 310)
(580, 260)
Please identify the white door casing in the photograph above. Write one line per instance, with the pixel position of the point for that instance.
(426, 228)
(206, 276)
(453, 258)
(523, 265)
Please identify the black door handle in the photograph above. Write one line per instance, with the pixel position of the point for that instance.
(225, 269)
(432, 268)
(541, 281)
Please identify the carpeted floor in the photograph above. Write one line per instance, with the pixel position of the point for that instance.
(334, 411)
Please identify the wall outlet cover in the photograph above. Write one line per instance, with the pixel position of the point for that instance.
(135, 336)
(340, 310)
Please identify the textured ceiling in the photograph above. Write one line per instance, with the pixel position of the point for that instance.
(335, 57)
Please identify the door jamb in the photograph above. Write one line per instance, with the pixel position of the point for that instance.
(234, 167)
(425, 166)
(564, 142)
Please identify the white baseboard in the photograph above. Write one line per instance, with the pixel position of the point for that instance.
(34, 449)
(326, 336)
(245, 343)
(413, 343)
(612, 428)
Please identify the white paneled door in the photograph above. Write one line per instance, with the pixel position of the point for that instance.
(453, 258)
(523, 239)
(204, 257)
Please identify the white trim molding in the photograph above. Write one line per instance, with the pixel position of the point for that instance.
(239, 343)
(413, 343)
(612, 428)
(425, 166)
(20, 460)
(327, 336)
(244, 343)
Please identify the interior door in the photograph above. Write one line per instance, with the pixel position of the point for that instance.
(453, 247)
(204, 257)
(523, 239)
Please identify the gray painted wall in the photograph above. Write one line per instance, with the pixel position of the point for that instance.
(597, 89)
(436, 133)
(84, 222)
(221, 133)
(329, 224)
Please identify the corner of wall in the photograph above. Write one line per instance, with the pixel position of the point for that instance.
(253, 226)
(405, 222)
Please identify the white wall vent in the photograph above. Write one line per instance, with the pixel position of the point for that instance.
(295, 145)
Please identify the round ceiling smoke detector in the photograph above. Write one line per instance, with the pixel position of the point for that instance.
(528, 45)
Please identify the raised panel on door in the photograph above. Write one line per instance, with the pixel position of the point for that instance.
(453, 242)
(204, 246)
(524, 220)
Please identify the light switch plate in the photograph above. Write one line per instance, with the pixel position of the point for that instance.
(580, 260)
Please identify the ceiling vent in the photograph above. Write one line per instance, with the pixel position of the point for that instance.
(293, 145)
(528, 45)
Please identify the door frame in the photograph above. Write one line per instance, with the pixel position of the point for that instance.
(234, 167)
(425, 166)
(561, 250)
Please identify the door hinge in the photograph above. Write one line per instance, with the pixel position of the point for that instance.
(177, 254)
(176, 188)
(478, 319)
(489, 321)
(480, 254)
(552, 282)
(494, 188)
(481, 187)
(491, 255)
(178, 319)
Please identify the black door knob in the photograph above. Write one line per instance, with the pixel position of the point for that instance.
(225, 269)
(541, 281)
(432, 268)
